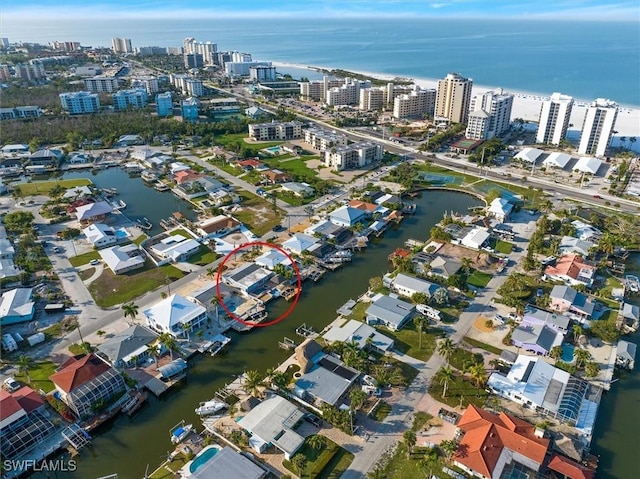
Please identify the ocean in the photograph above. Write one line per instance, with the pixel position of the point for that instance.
(586, 60)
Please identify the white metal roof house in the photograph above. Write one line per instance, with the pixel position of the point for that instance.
(172, 314)
(100, 235)
(16, 306)
(224, 464)
(528, 155)
(93, 211)
(122, 259)
(407, 286)
(248, 277)
(476, 238)
(588, 165)
(8, 269)
(299, 189)
(272, 258)
(391, 312)
(569, 244)
(299, 242)
(500, 209)
(7, 251)
(346, 216)
(176, 248)
(272, 422)
(362, 334)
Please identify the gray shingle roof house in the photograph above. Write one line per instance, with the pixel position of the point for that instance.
(120, 350)
(444, 267)
(359, 332)
(626, 354)
(346, 216)
(538, 338)
(327, 381)
(565, 298)
(391, 312)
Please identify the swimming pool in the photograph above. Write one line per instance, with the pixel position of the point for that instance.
(121, 233)
(274, 150)
(567, 353)
(202, 458)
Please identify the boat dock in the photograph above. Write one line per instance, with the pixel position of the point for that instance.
(144, 223)
(287, 344)
(136, 401)
(306, 331)
(312, 272)
(632, 284)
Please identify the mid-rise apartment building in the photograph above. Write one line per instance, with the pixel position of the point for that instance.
(355, 155)
(554, 119)
(149, 51)
(193, 87)
(597, 128)
(322, 140)
(5, 73)
(490, 115)
(262, 74)
(347, 94)
(189, 109)
(276, 131)
(416, 104)
(372, 99)
(150, 84)
(80, 102)
(66, 46)
(30, 72)
(193, 60)
(123, 99)
(317, 90)
(206, 50)
(164, 104)
(242, 69)
(121, 45)
(453, 98)
(101, 84)
(20, 113)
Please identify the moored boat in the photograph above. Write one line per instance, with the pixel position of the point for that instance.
(208, 408)
(159, 186)
(180, 433)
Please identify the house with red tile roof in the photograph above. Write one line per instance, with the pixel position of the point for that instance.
(492, 444)
(561, 467)
(186, 175)
(368, 208)
(250, 164)
(572, 270)
(276, 176)
(85, 382)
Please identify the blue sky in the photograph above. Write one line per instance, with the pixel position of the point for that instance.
(628, 10)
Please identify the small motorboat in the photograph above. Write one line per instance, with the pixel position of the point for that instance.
(180, 434)
(210, 407)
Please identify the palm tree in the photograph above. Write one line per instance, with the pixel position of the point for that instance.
(409, 438)
(445, 376)
(24, 364)
(556, 353)
(130, 311)
(448, 446)
(154, 350)
(169, 343)
(280, 381)
(299, 462)
(466, 265)
(445, 348)
(316, 441)
(253, 381)
(478, 374)
(581, 356)
(211, 272)
(577, 331)
(186, 327)
(357, 397)
(419, 322)
(215, 302)
(56, 192)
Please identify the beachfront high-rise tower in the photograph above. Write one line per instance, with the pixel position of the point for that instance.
(597, 128)
(554, 119)
(453, 98)
(121, 45)
(489, 115)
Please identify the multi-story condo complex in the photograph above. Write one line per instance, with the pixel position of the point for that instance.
(490, 115)
(193, 60)
(66, 46)
(242, 69)
(193, 87)
(597, 128)
(148, 51)
(148, 83)
(121, 45)
(453, 98)
(189, 109)
(347, 94)
(554, 119)
(101, 84)
(276, 131)
(20, 112)
(174, 51)
(123, 99)
(207, 50)
(417, 104)
(355, 155)
(323, 140)
(372, 99)
(4, 43)
(5, 73)
(30, 72)
(317, 90)
(262, 74)
(239, 57)
(164, 104)
(80, 102)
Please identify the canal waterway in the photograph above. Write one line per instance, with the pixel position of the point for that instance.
(126, 445)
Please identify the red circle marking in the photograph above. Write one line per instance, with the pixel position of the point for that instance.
(295, 269)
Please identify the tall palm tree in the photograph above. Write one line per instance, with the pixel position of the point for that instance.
(316, 441)
(186, 327)
(169, 342)
(555, 353)
(154, 350)
(466, 265)
(253, 381)
(24, 364)
(211, 272)
(445, 348)
(581, 356)
(445, 376)
(419, 322)
(215, 302)
(130, 311)
(577, 331)
(409, 438)
(478, 374)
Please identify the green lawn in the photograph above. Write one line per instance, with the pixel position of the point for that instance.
(462, 358)
(504, 247)
(203, 257)
(110, 289)
(138, 241)
(328, 461)
(481, 345)
(407, 341)
(231, 138)
(420, 418)
(417, 465)
(299, 168)
(337, 466)
(163, 473)
(479, 279)
(43, 187)
(85, 274)
(182, 232)
(381, 411)
(39, 375)
(358, 311)
(232, 170)
(84, 258)
(459, 391)
(257, 213)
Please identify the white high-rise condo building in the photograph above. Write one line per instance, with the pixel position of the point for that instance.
(597, 128)
(490, 115)
(79, 102)
(372, 99)
(323, 140)
(347, 94)
(101, 84)
(317, 89)
(416, 104)
(554, 119)
(121, 45)
(453, 98)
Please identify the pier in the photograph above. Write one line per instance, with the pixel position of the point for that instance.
(287, 344)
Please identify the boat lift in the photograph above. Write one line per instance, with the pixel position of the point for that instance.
(306, 331)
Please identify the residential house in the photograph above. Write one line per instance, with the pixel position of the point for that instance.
(224, 464)
(328, 230)
(365, 336)
(272, 258)
(78, 192)
(100, 235)
(123, 259)
(399, 253)
(184, 176)
(176, 248)
(46, 158)
(571, 245)
(536, 384)
(248, 277)
(493, 446)
(586, 232)
(299, 243)
(390, 312)
(368, 208)
(558, 322)
(24, 422)
(217, 226)
(565, 468)
(256, 113)
(7, 251)
(631, 314)
(626, 354)
(16, 306)
(536, 338)
(272, 423)
(8, 269)
(276, 176)
(93, 212)
(249, 164)
(500, 209)
(127, 348)
(407, 286)
(199, 187)
(476, 238)
(346, 216)
(86, 382)
(303, 190)
(444, 267)
(572, 270)
(566, 299)
(176, 316)
(328, 381)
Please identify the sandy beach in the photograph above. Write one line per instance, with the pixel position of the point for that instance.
(526, 105)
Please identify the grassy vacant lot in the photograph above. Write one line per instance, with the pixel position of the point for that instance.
(203, 257)
(85, 274)
(110, 289)
(381, 411)
(39, 375)
(462, 358)
(419, 464)
(481, 345)
(84, 258)
(460, 391)
(43, 187)
(322, 463)
(407, 341)
(299, 168)
(479, 279)
(234, 138)
(420, 418)
(168, 469)
(257, 213)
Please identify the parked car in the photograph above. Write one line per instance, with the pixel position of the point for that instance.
(11, 385)
(94, 262)
(499, 318)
